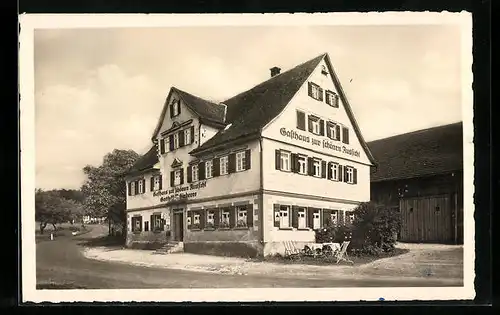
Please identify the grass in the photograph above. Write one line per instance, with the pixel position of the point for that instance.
(65, 229)
(329, 260)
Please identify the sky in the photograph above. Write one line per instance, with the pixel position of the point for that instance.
(102, 89)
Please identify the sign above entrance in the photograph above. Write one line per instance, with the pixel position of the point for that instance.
(320, 143)
(180, 192)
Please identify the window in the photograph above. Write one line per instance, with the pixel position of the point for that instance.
(240, 161)
(176, 140)
(209, 167)
(188, 221)
(194, 173)
(210, 219)
(315, 91)
(302, 218)
(167, 144)
(146, 226)
(332, 131)
(323, 70)
(332, 99)
(334, 217)
(136, 224)
(187, 136)
(196, 220)
(284, 219)
(317, 168)
(141, 186)
(285, 161)
(302, 163)
(224, 221)
(156, 182)
(335, 171)
(156, 222)
(224, 162)
(176, 108)
(241, 216)
(350, 217)
(349, 173)
(132, 188)
(316, 219)
(177, 177)
(315, 126)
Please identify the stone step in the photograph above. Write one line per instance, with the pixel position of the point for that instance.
(169, 248)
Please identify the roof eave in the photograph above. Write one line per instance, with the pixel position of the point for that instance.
(221, 145)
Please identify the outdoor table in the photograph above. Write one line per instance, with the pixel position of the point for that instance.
(315, 246)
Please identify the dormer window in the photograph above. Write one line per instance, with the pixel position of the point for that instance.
(175, 108)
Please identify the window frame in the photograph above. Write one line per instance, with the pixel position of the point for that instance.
(194, 173)
(209, 165)
(140, 185)
(287, 220)
(318, 213)
(210, 224)
(241, 223)
(177, 171)
(156, 224)
(176, 108)
(156, 182)
(332, 99)
(224, 165)
(349, 173)
(223, 224)
(315, 88)
(187, 136)
(194, 224)
(316, 125)
(176, 140)
(136, 228)
(302, 161)
(285, 156)
(132, 188)
(335, 175)
(303, 211)
(317, 167)
(240, 159)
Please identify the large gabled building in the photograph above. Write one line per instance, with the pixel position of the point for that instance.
(241, 176)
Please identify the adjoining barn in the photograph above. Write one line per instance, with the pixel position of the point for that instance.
(421, 175)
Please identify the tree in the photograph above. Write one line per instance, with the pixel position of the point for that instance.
(104, 190)
(51, 208)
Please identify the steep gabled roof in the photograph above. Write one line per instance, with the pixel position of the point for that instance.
(424, 152)
(145, 162)
(250, 111)
(210, 113)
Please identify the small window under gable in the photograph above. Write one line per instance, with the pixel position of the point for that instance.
(175, 108)
(332, 99)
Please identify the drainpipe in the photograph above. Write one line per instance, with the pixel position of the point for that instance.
(261, 190)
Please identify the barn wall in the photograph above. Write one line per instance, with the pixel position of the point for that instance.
(390, 193)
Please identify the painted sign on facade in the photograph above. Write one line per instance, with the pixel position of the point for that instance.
(180, 192)
(321, 143)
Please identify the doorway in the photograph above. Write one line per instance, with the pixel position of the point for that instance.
(178, 226)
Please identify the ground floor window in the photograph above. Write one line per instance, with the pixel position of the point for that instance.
(302, 221)
(350, 217)
(316, 219)
(241, 215)
(156, 222)
(136, 224)
(210, 219)
(284, 217)
(225, 217)
(196, 221)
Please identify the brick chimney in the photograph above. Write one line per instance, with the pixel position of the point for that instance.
(275, 71)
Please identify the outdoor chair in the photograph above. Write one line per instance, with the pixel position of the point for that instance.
(291, 250)
(341, 255)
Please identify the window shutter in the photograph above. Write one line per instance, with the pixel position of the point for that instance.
(171, 109)
(320, 94)
(172, 178)
(188, 215)
(171, 142)
(250, 215)
(354, 176)
(143, 185)
(151, 222)
(337, 132)
(277, 159)
(329, 170)
(310, 166)
(136, 187)
(231, 164)
(309, 124)
(179, 107)
(323, 169)
(181, 138)
(129, 189)
(301, 120)
(276, 215)
(248, 159)
(326, 217)
(203, 214)
(345, 174)
(216, 217)
(151, 183)
(321, 127)
(182, 175)
(328, 131)
(341, 217)
(232, 217)
(201, 171)
(192, 134)
(345, 135)
(216, 167)
(336, 100)
(189, 174)
(162, 146)
(293, 165)
(161, 181)
(295, 216)
(309, 89)
(310, 217)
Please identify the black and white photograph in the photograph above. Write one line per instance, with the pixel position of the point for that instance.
(270, 157)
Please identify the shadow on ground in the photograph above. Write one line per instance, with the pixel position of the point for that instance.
(104, 241)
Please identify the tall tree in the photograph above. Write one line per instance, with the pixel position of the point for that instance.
(51, 208)
(104, 190)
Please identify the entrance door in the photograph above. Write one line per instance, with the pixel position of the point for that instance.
(178, 226)
(426, 219)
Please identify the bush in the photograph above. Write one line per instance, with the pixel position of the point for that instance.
(333, 233)
(374, 229)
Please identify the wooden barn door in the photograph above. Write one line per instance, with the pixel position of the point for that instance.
(426, 219)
